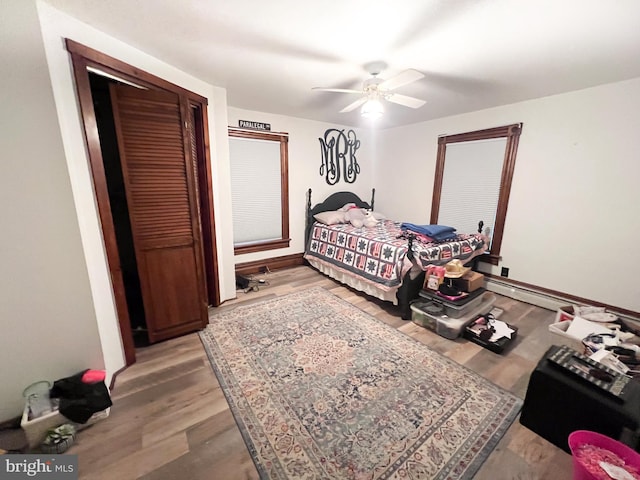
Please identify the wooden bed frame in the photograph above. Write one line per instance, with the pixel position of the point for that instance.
(410, 288)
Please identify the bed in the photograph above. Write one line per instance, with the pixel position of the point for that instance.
(384, 260)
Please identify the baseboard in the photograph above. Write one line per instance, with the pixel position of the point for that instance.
(269, 264)
(527, 296)
(548, 299)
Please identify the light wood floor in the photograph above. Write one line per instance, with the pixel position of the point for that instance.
(170, 419)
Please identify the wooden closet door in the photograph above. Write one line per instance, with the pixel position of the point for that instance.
(162, 196)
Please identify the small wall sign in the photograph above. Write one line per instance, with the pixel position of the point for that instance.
(254, 125)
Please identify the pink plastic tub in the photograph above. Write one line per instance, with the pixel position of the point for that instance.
(581, 471)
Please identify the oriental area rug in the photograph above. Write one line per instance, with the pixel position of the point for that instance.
(322, 390)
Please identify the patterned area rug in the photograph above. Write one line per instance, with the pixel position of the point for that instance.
(321, 390)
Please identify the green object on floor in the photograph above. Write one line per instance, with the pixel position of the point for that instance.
(59, 439)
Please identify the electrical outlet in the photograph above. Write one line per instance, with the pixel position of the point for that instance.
(504, 272)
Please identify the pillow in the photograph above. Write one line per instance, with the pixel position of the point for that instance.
(378, 216)
(330, 217)
(346, 207)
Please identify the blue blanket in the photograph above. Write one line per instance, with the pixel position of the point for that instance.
(437, 232)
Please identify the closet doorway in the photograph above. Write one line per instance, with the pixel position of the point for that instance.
(150, 164)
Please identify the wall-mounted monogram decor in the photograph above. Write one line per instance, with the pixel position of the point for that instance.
(339, 156)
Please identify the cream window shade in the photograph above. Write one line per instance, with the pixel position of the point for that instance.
(256, 190)
(471, 185)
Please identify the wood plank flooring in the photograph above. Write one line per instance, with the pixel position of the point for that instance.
(170, 419)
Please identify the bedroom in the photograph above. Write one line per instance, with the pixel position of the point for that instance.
(572, 179)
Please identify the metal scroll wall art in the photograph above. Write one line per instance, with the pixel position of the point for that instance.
(338, 151)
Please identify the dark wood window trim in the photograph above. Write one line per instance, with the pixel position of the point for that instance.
(283, 138)
(512, 134)
(82, 58)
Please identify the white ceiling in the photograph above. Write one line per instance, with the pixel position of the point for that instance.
(475, 54)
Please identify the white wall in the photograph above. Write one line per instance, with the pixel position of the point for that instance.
(304, 170)
(63, 120)
(48, 324)
(572, 221)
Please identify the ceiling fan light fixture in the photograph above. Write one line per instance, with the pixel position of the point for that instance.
(373, 108)
(375, 91)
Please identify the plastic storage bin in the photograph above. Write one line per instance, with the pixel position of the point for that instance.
(579, 438)
(456, 309)
(447, 326)
(422, 314)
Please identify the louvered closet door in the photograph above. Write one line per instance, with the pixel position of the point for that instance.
(161, 194)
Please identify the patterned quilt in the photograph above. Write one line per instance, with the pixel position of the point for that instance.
(463, 247)
(379, 254)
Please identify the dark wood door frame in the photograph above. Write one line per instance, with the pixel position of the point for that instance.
(82, 58)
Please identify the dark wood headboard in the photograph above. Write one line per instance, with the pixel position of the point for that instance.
(331, 203)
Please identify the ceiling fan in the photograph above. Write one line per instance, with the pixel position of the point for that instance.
(375, 91)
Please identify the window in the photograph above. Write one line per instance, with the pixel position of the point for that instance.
(259, 190)
(473, 182)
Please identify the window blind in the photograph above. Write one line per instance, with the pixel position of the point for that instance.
(256, 190)
(471, 185)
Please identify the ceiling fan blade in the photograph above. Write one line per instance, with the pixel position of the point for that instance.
(403, 78)
(340, 90)
(405, 100)
(354, 105)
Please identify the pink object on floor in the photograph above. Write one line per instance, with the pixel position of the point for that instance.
(93, 376)
(589, 448)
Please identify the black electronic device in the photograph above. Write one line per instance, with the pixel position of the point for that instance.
(593, 372)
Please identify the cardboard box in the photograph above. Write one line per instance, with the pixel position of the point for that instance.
(575, 330)
(563, 338)
(470, 281)
(564, 313)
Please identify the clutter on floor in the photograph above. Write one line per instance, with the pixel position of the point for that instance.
(449, 318)
(568, 391)
(59, 439)
(453, 302)
(490, 332)
(601, 335)
(76, 401)
(249, 283)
